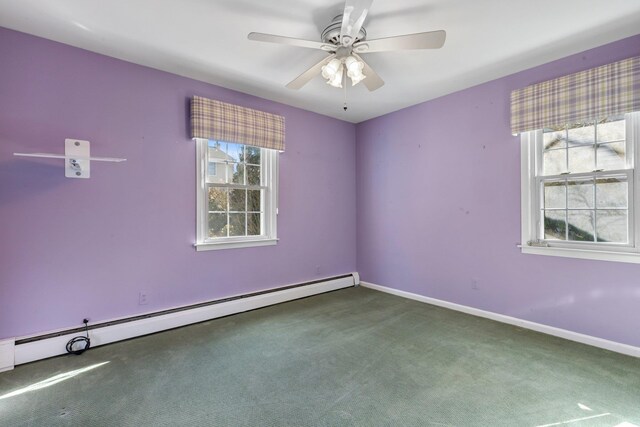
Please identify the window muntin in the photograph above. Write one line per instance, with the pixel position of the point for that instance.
(236, 195)
(584, 175)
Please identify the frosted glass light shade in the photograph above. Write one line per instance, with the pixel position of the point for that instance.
(336, 79)
(331, 69)
(354, 70)
(357, 79)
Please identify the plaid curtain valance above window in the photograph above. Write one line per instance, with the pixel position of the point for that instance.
(588, 95)
(219, 121)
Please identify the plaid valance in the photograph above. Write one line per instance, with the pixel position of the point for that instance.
(219, 121)
(591, 94)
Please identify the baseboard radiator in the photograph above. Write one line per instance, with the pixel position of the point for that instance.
(41, 346)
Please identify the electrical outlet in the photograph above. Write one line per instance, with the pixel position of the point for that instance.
(317, 270)
(142, 298)
(474, 284)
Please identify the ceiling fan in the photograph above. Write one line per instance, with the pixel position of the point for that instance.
(345, 39)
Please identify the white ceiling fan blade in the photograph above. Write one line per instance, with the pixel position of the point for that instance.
(372, 80)
(428, 40)
(355, 12)
(306, 77)
(270, 38)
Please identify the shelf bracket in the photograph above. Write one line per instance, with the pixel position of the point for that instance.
(76, 158)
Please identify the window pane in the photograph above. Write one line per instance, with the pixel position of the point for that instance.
(216, 168)
(252, 155)
(554, 162)
(554, 195)
(554, 225)
(612, 131)
(217, 225)
(582, 159)
(217, 172)
(235, 152)
(580, 136)
(237, 200)
(217, 150)
(581, 225)
(253, 224)
(237, 171)
(611, 156)
(237, 224)
(217, 199)
(612, 226)
(253, 200)
(612, 193)
(580, 194)
(554, 139)
(253, 175)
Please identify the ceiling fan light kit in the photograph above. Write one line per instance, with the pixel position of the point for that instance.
(344, 39)
(333, 71)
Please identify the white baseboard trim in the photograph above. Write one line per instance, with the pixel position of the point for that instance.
(48, 347)
(617, 347)
(6, 354)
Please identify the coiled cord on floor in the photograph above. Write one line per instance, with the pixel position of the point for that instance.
(77, 340)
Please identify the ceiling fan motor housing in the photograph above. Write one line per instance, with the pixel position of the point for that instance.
(331, 34)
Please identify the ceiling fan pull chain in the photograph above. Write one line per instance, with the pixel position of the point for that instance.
(344, 77)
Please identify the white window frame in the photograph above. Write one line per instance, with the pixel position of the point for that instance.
(269, 172)
(530, 198)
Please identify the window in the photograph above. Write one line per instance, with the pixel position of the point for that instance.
(237, 195)
(579, 191)
(213, 169)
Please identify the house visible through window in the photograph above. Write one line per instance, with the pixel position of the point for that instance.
(236, 195)
(578, 191)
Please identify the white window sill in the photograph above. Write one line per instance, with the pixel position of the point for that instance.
(211, 246)
(631, 257)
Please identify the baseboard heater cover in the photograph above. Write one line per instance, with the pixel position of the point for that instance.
(7, 351)
(41, 346)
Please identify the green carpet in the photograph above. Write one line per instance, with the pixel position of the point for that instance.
(350, 357)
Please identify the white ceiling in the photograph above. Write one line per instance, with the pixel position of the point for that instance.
(207, 40)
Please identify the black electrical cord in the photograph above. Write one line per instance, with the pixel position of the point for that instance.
(77, 340)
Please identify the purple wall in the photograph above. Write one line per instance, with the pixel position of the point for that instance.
(73, 248)
(438, 188)
(438, 192)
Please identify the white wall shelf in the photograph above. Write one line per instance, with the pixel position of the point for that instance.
(77, 158)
